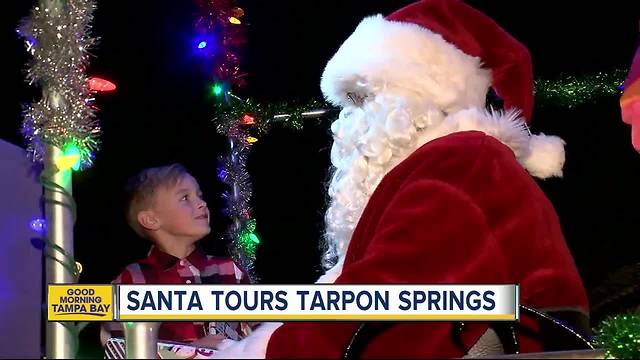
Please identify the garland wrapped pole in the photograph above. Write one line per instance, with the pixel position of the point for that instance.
(243, 122)
(60, 339)
(60, 131)
(220, 38)
(220, 35)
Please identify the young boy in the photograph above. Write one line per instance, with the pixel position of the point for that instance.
(165, 206)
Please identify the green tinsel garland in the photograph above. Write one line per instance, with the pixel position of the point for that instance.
(570, 91)
(289, 115)
(619, 336)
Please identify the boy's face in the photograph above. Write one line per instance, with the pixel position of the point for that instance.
(180, 211)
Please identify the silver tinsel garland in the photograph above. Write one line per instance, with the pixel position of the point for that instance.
(57, 37)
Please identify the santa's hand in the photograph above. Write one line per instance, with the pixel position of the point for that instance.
(209, 341)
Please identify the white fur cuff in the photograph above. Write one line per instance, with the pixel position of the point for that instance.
(253, 346)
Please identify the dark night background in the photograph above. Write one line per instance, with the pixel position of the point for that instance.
(160, 113)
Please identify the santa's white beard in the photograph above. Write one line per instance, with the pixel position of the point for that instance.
(368, 142)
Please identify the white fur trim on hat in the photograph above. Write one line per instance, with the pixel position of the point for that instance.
(541, 155)
(546, 156)
(405, 58)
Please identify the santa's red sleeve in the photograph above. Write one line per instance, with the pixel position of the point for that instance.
(430, 221)
(402, 252)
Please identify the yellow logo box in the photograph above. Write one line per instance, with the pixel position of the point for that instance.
(72, 302)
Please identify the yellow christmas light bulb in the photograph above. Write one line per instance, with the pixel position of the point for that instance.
(67, 162)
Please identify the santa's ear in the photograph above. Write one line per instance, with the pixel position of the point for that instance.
(148, 220)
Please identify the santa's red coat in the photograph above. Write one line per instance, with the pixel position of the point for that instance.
(459, 210)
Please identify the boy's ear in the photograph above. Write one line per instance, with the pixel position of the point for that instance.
(148, 220)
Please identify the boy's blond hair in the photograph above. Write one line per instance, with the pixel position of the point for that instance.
(141, 190)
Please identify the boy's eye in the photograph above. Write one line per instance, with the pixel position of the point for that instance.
(186, 197)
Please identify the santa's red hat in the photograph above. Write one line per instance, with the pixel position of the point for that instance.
(446, 54)
(443, 50)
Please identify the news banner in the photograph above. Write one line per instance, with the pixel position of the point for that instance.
(319, 302)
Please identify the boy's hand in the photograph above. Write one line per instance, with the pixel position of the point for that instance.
(209, 341)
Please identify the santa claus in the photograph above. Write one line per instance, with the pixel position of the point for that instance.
(430, 187)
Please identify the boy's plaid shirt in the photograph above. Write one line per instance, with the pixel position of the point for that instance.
(197, 268)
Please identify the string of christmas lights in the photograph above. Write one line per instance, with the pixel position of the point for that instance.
(219, 39)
